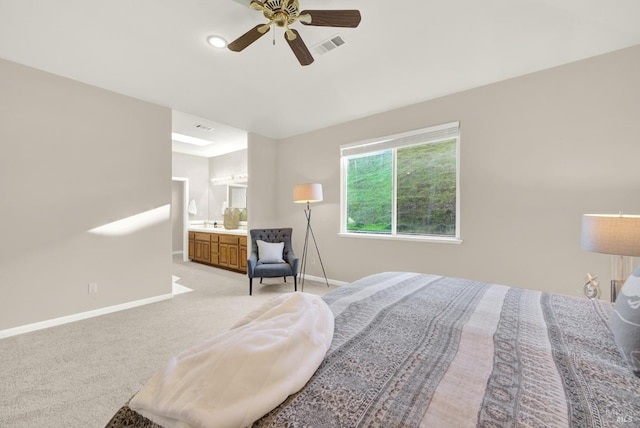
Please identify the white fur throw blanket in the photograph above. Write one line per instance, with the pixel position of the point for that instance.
(237, 377)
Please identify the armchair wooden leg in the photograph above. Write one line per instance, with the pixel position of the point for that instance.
(285, 278)
(295, 283)
(250, 285)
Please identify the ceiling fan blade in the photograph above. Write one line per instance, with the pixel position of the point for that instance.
(249, 37)
(298, 47)
(331, 18)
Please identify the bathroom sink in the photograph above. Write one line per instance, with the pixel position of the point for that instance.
(211, 229)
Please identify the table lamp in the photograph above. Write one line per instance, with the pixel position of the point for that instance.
(615, 234)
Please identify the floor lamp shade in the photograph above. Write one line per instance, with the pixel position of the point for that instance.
(611, 234)
(307, 192)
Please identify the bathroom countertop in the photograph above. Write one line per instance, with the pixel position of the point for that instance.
(209, 229)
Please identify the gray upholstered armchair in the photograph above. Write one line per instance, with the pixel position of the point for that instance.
(274, 265)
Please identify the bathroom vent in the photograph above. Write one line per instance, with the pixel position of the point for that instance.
(329, 45)
(203, 127)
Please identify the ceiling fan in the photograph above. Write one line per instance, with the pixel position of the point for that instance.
(283, 13)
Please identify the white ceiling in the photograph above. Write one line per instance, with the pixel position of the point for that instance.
(402, 53)
(222, 138)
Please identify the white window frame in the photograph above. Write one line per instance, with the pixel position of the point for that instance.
(432, 134)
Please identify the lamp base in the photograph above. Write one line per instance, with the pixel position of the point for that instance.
(616, 285)
(303, 264)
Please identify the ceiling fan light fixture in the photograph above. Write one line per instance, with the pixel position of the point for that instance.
(217, 41)
(290, 34)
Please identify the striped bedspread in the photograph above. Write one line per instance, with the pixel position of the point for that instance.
(413, 350)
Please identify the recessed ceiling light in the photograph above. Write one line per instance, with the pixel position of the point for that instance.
(217, 42)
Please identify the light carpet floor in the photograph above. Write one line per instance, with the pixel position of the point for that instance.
(80, 374)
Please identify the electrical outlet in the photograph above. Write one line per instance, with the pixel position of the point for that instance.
(93, 287)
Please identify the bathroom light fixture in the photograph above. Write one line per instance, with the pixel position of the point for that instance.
(230, 179)
(222, 179)
(217, 42)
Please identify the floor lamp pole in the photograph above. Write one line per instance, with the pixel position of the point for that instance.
(305, 251)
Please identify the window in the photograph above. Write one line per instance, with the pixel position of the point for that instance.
(403, 186)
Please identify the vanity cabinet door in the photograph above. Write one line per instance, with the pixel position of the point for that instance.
(234, 260)
(202, 248)
(228, 251)
(223, 255)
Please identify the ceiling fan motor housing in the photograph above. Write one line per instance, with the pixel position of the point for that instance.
(281, 14)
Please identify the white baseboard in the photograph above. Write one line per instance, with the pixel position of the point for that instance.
(321, 279)
(115, 308)
(80, 316)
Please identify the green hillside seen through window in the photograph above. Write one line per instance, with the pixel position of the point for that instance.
(426, 190)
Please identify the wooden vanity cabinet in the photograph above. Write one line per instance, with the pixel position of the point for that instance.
(219, 249)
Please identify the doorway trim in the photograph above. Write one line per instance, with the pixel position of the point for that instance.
(185, 216)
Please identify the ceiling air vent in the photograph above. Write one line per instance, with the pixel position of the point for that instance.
(328, 45)
(203, 127)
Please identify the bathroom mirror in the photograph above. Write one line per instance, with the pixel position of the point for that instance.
(237, 196)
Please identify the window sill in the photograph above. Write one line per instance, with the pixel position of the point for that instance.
(432, 239)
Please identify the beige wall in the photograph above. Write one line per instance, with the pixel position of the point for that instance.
(536, 153)
(264, 168)
(74, 157)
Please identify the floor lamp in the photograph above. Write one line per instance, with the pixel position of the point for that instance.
(615, 234)
(308, 193)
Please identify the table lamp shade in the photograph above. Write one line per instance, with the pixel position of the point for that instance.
(307, 192)
(611, 234)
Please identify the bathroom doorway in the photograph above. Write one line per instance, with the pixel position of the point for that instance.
(179, 217)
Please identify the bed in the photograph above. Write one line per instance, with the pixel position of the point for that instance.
(418, 350)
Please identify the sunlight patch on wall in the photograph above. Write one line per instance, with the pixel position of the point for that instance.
(134, 223)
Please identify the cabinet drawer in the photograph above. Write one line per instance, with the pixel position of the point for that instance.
(202, 236)
(243, 240)
(215, 237)
(192, 235)
(229, 239)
